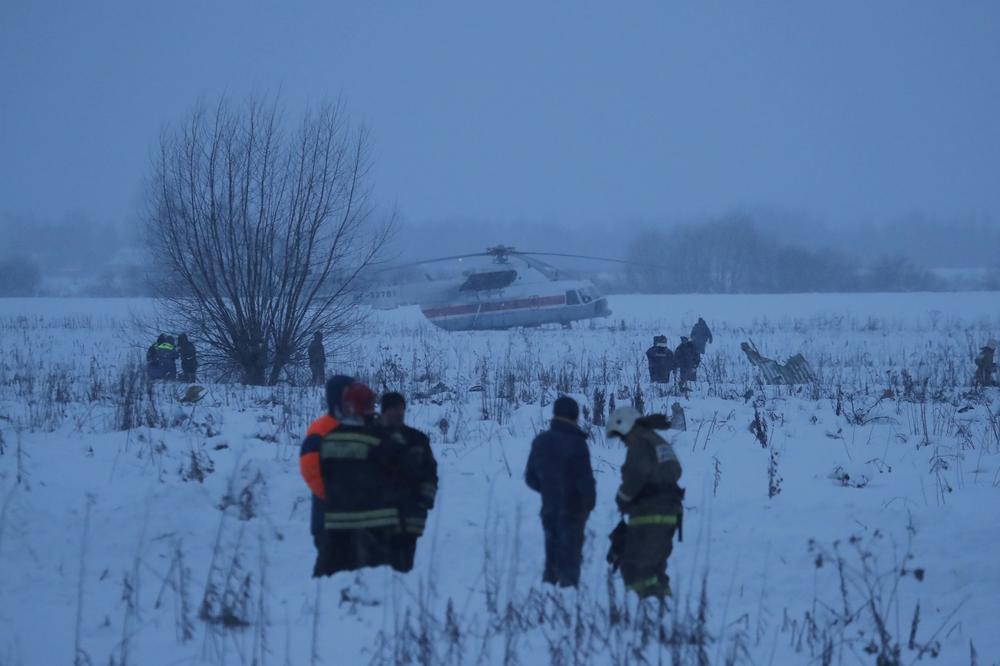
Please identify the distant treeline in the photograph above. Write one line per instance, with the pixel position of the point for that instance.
(25, 275)
(73, 256)
(732, 255)
(729, 254)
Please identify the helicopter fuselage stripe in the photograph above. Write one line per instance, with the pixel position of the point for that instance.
(488, 307)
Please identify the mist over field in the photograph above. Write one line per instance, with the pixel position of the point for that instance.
(865, 132)
(76, 256)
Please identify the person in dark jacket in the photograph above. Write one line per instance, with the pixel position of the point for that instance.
(559, 468)
(650, 497)
(419, 479)
(153, 369)
(310, 465)
(687, 359)
(317, 359)
(701, 335)
(661, 360)
(359, 491)
(161, 358)
(189, 359)
(167, 353)
(985, 365)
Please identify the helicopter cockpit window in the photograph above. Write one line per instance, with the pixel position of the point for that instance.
(587, 295)
(487, 281)
(572, 298)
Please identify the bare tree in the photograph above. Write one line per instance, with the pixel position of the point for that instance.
(259, 232)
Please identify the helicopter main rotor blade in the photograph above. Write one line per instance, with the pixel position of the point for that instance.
(435, 260)
(590, 257)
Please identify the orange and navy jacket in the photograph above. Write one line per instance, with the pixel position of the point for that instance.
(309, 455)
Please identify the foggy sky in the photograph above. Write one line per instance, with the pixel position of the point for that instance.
(559, 112)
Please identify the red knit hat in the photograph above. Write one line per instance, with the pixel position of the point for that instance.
(359, 399)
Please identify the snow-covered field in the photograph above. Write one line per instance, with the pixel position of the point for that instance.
(867, 518)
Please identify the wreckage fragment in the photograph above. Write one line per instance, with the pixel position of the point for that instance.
(795, 370)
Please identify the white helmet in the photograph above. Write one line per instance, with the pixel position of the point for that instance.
(621, 421)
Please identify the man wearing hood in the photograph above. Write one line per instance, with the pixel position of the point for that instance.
(559, 468)
(309, 454)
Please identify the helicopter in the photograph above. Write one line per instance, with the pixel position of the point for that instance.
(517, 290)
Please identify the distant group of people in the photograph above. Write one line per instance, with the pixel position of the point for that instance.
(373, 480)
(162, 357)
(559, 469)
(685, 359)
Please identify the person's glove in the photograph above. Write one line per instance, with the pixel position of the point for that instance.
(617, 548)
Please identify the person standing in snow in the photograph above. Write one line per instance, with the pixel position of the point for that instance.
(686, 359)
(153, 369)
(189, 359)
(317, 359)
(985, 365)
(559, 469)
(360, 493)
(310, 461)
(650, 497)
(168, 358)
(161, 358)
(419, 479)
(660, 359)
(701, 335)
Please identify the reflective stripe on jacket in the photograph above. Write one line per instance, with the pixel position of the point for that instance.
(361, 470)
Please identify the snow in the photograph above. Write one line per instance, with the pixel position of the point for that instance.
(151, 537)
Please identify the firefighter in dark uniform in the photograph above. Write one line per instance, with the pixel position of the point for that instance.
(418, 479)
(650, 497)
(360, 500)
(661, 360)
(317, 359)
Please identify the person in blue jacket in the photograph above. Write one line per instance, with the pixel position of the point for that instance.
(559, 469)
